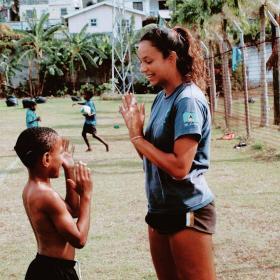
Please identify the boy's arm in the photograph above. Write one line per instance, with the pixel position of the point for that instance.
(32, 118)
(79, 103)
(74, 233)
(72, 198)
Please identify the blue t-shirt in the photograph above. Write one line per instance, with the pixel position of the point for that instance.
(91, 119)
(185, 112)
(31, 116)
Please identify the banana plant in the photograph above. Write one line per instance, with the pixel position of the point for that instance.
(80, 51)
(34, 47)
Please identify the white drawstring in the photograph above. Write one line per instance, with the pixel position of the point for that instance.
(79, 270)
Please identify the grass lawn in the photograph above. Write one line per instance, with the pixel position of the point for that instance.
(245, 182)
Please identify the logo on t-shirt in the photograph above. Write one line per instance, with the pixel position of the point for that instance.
(190, 118)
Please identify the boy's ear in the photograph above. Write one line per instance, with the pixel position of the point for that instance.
(46, 159)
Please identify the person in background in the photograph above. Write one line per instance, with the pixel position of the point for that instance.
(32, 120)
(175, 148)
(90, 122)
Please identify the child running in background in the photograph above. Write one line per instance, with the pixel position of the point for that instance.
(32, 120)
(43, 152)
(90, 122)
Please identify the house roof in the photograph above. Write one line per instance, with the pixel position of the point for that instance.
(107, 3)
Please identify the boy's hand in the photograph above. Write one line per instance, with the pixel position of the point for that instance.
(83, 183)
(68, 161)
(39, 119)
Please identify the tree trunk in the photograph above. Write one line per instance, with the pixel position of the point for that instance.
(212, 81)
(226, 48)
(276, 72)
(264, 93)
(30, 78)
(245, 81)
(221, 46)
(227, 80)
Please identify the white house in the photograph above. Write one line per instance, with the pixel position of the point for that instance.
(56, 8)
(150, 7)
(99, 18)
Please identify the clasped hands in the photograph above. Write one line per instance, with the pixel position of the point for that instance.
(133, 115)
(78, 175)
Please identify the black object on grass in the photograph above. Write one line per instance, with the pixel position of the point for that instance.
(11, 101)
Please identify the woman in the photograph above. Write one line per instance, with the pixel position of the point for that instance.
(175, 150)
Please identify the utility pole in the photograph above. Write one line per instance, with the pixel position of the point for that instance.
(121, 50)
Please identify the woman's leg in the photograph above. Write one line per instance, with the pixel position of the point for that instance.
(161, 256)
(192, 253)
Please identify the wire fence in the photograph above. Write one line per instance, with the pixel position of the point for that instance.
(244, 92)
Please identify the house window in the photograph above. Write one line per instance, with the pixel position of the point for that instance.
(33, 2)
(29, 13)
(138, 6)
(63, 11)
(162, 5)
(89, 3)
(125, 26)
(93, 22)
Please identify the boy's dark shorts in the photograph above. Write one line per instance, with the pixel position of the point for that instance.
(203, 219)
(89, 128)
(48, 268)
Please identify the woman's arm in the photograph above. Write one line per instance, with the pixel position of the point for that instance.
(176, 164)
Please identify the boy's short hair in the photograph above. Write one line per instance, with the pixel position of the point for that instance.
(33, 142)
(32, 103)
(88, 93)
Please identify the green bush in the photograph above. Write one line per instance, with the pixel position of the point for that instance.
(258, 146)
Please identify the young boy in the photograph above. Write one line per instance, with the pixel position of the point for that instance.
(43, 152)
(90, 122)
(32, 120)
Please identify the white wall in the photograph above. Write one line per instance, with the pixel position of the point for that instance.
(53, 8)
(254, 63)
(154, 7)
(146, 5)
(103, 14)
(40, 9)
(74, 3)
(55, 11)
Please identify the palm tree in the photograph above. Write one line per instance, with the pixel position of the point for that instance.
(34, 46)
(200, 14)
(209, 12)
(79, 51)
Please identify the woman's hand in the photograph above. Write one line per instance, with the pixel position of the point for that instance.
(133, 115)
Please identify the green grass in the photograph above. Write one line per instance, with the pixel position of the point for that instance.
(245, 182)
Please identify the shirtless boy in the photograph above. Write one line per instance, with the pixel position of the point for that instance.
(43, 152)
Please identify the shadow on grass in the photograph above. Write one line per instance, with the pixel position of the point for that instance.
(11, 171)
(234, 160)
(126, 172)
(8, 156)
(108, 137)
(68, 126)
(236, 271)
(116, 163)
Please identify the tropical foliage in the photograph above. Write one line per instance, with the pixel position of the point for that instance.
(51, 54)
